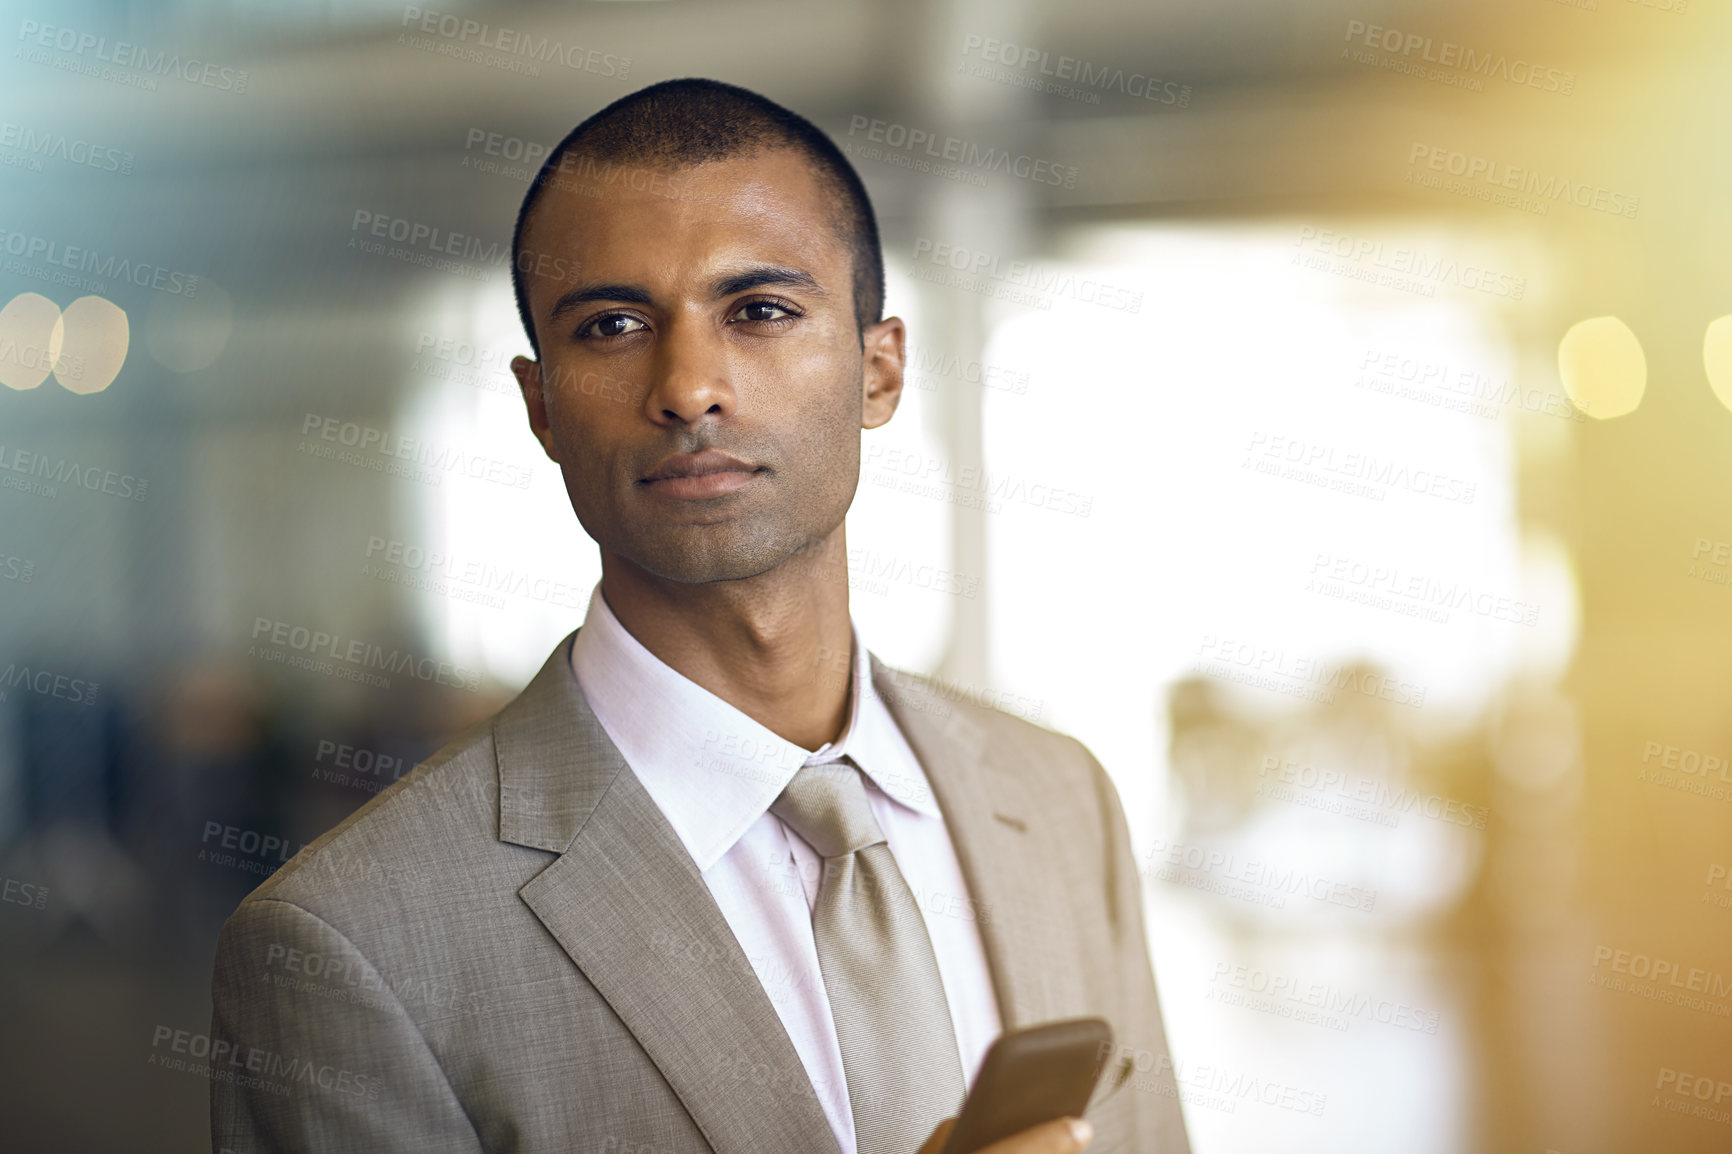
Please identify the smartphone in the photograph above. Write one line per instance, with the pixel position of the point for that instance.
(1030, 1076)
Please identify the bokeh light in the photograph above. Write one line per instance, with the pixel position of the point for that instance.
(187, 334)
(29, 340)
(95, 344)
(1717, 358)
(1602, 366)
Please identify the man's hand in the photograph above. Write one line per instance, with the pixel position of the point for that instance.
(1060, 1136)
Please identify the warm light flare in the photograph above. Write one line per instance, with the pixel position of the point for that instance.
(1602, 366)
(1717, 358)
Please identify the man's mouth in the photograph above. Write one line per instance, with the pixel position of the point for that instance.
(697, 476)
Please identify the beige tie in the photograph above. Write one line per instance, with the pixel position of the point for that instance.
(898, 1046)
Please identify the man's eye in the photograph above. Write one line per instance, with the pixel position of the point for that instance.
(763, 311)
(612, 325)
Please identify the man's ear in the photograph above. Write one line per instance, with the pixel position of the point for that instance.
(885, 346)
(528, 374)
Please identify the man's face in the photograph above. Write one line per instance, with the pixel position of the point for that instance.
(702, 382)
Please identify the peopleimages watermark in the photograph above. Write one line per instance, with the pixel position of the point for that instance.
(46, 683)
(1662, 980)
(1313, 1003)
(1358, 474)
(1070, 78)
(353, 443)
(1308, 678)
(338, 763)
(1257, 882)
(1412, 594)
(1367, 798)
(1400, 267)
(442, 249)
(481, 43)
(36, 145)
(968, 155)
(370, 771)
(1718, 873)
(78, 259)
(488, 368)
(978, 267)
(923, 367)
(354, 980)
(872, 571)
(701, 953)
(520, 160)
(1510, 185)
(509, 155)
(1408, 52)
(1709, 559)
(41, 358)
(1210, 1086)
(484, 367)
(1688, 1094)
(123, 62)
(1685, 770)
(922, 475)
(428, 245)
(29, 465)
(244, 849)
(1456, 389)
(27, 894)
(350, 658)
(222, 1060)
(1674, 7)
(463, 578)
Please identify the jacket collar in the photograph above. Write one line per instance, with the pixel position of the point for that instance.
(1012, 867)
(627, 904)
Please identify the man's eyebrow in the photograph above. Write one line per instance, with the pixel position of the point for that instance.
(767, 274)
(743, 281)
(584, 293)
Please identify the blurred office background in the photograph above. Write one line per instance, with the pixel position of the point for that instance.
(1320, 408)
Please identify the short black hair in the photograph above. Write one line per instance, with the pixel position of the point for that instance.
(678, 123)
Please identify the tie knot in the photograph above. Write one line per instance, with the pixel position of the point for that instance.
(828, 807)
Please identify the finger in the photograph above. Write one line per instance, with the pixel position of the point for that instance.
(940, 1136)
(1060, 1136)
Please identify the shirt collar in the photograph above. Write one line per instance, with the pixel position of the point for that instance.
(710, 768)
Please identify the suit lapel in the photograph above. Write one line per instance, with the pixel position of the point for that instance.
(625, 901)
(1006, 856)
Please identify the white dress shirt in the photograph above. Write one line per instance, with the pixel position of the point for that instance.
(714, 772)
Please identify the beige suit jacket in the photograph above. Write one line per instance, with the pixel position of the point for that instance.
(510, 950)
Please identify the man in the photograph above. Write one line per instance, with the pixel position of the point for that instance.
(717, 879)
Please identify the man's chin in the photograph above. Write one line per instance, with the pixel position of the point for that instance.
(711, 574)
(702, 559)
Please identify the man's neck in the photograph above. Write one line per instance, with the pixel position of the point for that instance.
(777, 647)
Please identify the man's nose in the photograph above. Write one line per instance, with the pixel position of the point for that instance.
(690, 378)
